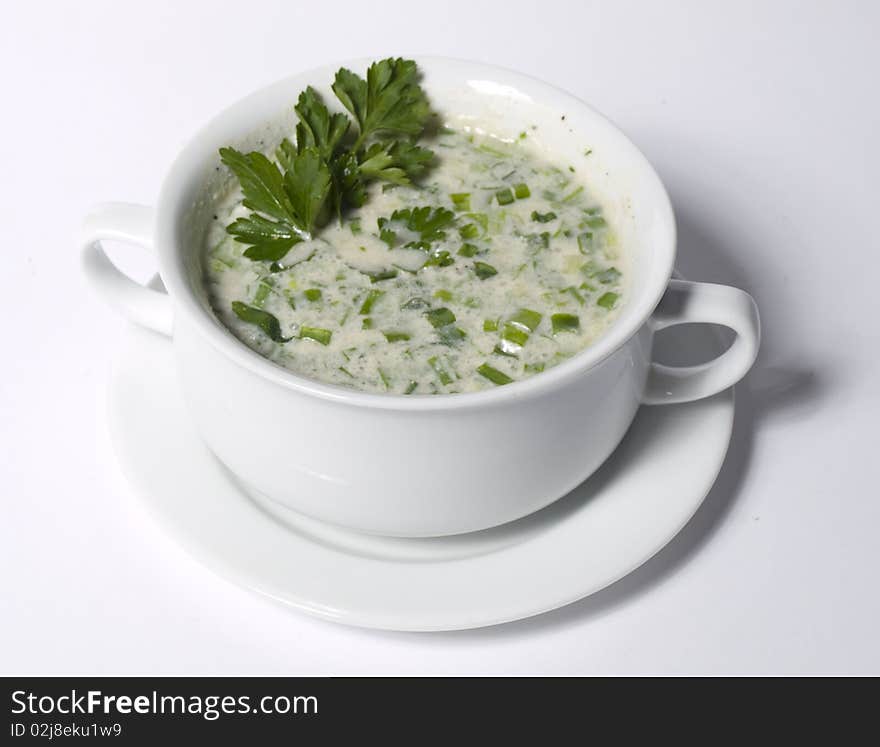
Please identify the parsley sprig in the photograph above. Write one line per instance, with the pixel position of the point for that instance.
(333, 160)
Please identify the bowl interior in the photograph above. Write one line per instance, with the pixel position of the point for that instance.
(560, 127)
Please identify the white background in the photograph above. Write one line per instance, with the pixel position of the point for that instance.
(762, 119)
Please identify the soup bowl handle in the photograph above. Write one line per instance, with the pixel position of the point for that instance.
(131, 224)
(704, 303)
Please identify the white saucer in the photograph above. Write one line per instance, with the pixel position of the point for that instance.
(633, 506)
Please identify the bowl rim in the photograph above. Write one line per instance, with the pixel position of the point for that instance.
(173, 273)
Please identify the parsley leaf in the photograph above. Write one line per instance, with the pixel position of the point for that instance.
(429, 223)
(317, 128)
(389, 101)
(295, 200)
(398, 162)
(328, 168)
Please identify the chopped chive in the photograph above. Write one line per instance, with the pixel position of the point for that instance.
(395, 336)
(346, 372)
(263, 319)
(521, 191)
(440, 317)
(481, 219)
(543, 217)
(574, 193)
(574, 294)
(385, 379)
(441, 372)
(443, 294)
(469, 231)
(355, 226)
(313, 294)
(378, 275)
(411, 387)
(526, 318)
(510, 350)
(565, 323)
(318, 334)
(522, 136)
(415, 303)
(585, 241)
(367, 323)
(607, 300)
(490, 325)
(263, 291)
(468, 250)
(516, 335)
(596, 221)
(606, 277)
(504, 196)
(484, 270)
(461, 200)
(534, 367)
(588, 151)
(450, 335)
(494, 375)
(374, 295)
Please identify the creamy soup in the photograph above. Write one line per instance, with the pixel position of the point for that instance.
(497, 266)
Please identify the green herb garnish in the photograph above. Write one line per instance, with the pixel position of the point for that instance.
(263, 319)
(494, 375)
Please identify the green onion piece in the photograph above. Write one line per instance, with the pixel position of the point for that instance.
(461, 200)
(481, 219)
(526, 318)
(440, 317)
(517, 335)
(346, 372)
(607, 300)
(374, 295)
(565, 323)
(367, 323)
(571, 195)
(503, 348)
(490, 325)
(484, 270)
(521, 191)
(606, 277)
(378, 275)
(441, 372)
(534, 367)
(355, 226)
(543, 217)
(318, 334)
(450, 335)
(385, 379)
(415, 303)
(468, 250)
(263, 319)
(494, 375)
(411, 387)
(504, 196)
(443, 295)
(596, 222)
(313, 294)
(263, 291)
(585, 241)
(395, 336)
(469, 231)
